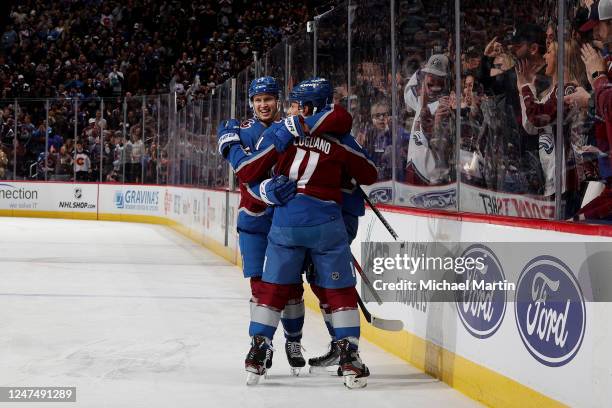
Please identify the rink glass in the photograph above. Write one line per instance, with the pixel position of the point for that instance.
(484, 159)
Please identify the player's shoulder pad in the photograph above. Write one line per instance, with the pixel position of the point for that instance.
(334, 119)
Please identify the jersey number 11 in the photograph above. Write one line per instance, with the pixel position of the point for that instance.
(313, 159)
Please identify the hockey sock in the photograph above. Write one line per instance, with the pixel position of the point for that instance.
(292, 318)
(344, 315)
(264, 320)
(268, 301)
(325, 309)
(326, 312)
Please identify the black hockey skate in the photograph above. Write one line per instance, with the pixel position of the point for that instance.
(328, 362)
(258, 359)
(355, 373)
(294, 356)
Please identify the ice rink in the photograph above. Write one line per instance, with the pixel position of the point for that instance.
(135, 315)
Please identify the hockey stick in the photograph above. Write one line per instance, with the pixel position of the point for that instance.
(366, 280)
(367, 199)
(383, 324)
(378, 214)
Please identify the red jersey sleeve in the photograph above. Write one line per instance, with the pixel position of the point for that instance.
(336, 121)
(253, 167)
(539, 114)
(603, 103)
(358, 166)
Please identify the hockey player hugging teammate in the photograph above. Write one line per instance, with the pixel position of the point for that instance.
(308, 226)
(332, 120)
(253, 217)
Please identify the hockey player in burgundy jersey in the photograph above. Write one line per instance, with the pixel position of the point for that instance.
(254, 218)
(353, 205)
(311, 224)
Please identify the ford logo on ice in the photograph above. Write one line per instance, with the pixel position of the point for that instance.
(550, 311)
(481, 311)
(435, 199)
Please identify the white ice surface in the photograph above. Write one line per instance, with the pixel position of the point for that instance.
(135, 315)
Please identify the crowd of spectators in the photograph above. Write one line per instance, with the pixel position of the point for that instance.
(86, 140)
(103, 49)
(106, 47)
(510, 93)
(507, 101)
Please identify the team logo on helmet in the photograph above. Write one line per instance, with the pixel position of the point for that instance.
(316, 91)
(263, 85)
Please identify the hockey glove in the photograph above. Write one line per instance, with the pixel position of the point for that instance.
(277, 190)
(290, 128)
(228, 134)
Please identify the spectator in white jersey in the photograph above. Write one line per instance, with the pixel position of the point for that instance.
(427, 93)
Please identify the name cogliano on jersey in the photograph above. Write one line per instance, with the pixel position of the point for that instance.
(314, 143)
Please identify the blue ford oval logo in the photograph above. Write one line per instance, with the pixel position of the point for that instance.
(550, 311)
(481, 310)
(435, 199)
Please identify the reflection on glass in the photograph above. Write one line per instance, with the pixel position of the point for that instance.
(113, 141)
(300, 58)
(134, 145)
(429, 99)
(9, 143)
(332, 52)
(587, 134)
(510, 160)
(369, 97)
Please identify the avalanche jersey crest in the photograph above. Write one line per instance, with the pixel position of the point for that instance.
(418, 138)
(546, 143)
(247, 124)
